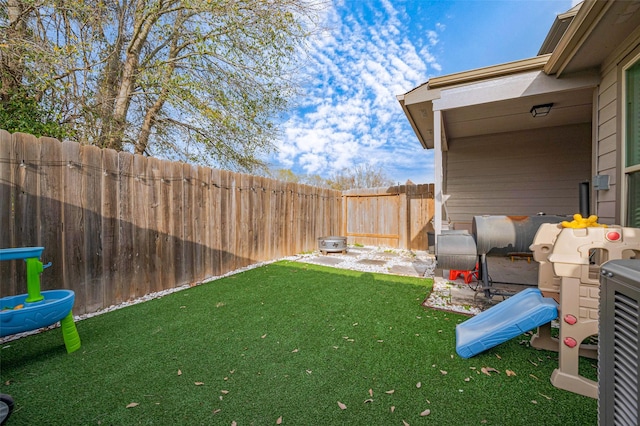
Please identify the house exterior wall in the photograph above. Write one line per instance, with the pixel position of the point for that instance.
(517, 173)
(609, 136)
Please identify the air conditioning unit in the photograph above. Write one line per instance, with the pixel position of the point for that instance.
(619, 343)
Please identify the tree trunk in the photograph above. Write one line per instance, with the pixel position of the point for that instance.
(109, 83)
(142, 26)
(152, 112)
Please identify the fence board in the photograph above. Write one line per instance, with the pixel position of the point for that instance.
(188, 214)
(28, 206)
(125, 270)
(165, 243)
(73, 224)
(110, 226)
(215, 223)
(8, 233)
(50, 217)
(140, 200)
(228, 226)
(152, 228)
(90, 205)
(200, 225)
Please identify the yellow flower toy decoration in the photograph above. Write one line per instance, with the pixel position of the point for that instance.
(581, 222)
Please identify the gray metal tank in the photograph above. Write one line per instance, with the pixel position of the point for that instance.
(506, 234)
(456, 250)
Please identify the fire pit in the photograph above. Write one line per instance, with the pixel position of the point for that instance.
(332, 244)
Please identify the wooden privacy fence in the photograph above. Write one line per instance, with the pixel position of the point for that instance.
(117, 226)
(398, 216)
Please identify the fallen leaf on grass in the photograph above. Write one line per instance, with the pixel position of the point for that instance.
(510, 373)
(418, 385)
(489, 370)
(224, 391)
(342, 406)
(443, 372)
(548, 397)
(199, 383)
(425, 413)
(533, 401)
(216, 411)
(390, 391)
(132, 404)
(467, 379)
(498, 356)
(370, 392)
(368, 400)
(279, 421)
(393, 408)
(294, 351)
(533, 377)
(233, 423)
(263, 336)
(179, 372)
(405, 423)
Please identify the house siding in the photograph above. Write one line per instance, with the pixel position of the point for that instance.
(607, 156)
(517, 173)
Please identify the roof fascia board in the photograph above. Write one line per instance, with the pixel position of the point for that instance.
(535, 63)
(589, 15)
(511, 87)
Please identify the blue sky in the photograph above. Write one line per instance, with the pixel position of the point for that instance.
(372, 50)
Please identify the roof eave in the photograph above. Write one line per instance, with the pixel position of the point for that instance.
(500, 70)
(425, 144)
(589, 15)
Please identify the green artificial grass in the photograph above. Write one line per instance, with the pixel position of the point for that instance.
(285, 341)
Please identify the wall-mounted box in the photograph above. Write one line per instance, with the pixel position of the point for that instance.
(601, 182)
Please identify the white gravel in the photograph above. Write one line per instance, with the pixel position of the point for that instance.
(392, 257)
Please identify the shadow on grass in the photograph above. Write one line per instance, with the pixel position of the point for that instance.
(286, 340)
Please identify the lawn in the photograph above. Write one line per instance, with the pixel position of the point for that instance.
(285, 343)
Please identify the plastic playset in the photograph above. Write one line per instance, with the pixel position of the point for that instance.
(569, 256)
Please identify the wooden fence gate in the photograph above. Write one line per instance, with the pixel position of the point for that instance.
(397, 216)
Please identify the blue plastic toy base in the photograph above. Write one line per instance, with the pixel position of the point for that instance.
(56, 305)
(516, 315)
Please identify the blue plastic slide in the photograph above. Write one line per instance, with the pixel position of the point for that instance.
(516, 315)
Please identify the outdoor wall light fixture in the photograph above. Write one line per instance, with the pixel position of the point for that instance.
(540, 110)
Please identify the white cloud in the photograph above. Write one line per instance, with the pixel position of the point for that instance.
(348, 113)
